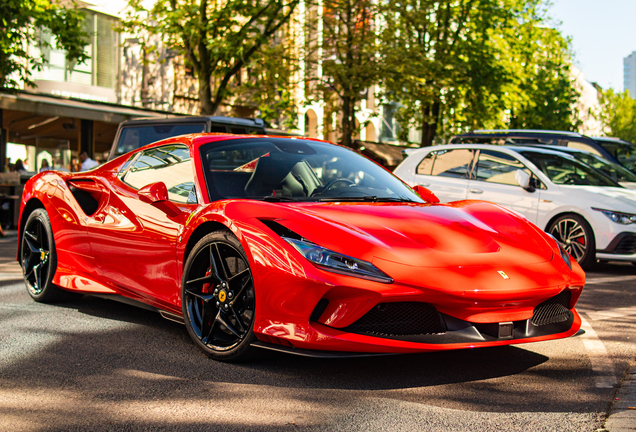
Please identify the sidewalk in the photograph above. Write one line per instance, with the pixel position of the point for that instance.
(623, 413)
(9, 267)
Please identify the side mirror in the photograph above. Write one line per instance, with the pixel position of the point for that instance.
(156, 194)
(426, 194)
(523, 179)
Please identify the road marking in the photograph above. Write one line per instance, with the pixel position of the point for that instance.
(612, 313)
(602, 280)
(599, 357)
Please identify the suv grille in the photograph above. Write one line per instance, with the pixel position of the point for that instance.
(553, 310)
(400, 319)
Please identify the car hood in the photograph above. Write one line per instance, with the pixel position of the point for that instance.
(458, 234)
(608, 198)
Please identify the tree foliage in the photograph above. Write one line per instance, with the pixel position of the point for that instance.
(20, 22)
(463, 64)
(218, 38)
(618, 114)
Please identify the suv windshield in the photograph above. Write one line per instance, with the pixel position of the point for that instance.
(277, 169)
(565, 170)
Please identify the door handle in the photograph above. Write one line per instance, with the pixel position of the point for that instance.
(476, 191)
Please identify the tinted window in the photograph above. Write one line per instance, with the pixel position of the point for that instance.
(613, 170)
(134, 137)
(566, 170)
(170, 164)
(497, 167)
(279, 169)
(452, 163)
(624, 152)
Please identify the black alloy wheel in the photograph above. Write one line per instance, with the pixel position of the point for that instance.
(39, 259)
(217, 297)
(576, 237)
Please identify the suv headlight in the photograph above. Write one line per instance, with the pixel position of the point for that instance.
(564, 254)
(338, 263)
(618, 217)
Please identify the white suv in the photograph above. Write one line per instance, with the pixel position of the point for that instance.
(587, 212)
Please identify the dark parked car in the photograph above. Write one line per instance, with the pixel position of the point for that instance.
(133, 134)
(612, 149)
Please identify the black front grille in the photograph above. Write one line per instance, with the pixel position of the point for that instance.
(553, 310)
(626, 245)
(400, 319)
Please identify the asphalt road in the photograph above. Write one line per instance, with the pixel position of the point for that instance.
(99, 365)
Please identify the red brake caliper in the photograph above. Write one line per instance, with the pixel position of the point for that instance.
(581, 240)
(206, 286)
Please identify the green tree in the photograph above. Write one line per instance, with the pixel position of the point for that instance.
(465, 64)
(20, 22)
(217, 37)
(618, 114)
(349, 62)
(543, 85)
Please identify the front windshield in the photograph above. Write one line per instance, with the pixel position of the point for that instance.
(610, 169)
(565, 170)
(624, 152)
(277, 169)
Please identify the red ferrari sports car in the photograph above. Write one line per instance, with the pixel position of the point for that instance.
(297, 245)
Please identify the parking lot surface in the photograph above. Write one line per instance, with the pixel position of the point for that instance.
(96, 364)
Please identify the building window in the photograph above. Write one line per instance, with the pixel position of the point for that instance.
(100, 70)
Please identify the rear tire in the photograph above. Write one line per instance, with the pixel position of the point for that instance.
(38, 259)
(217, 297)
(576, 237)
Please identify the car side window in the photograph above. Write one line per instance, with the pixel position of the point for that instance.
(426, 166)
(584, 147)
(452, 163)
(170, 164)
(498, 167)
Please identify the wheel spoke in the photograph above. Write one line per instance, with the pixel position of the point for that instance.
(228, 326)
(200, 295)
(239, 274)
(218, 261)
(30, 235)
(579, 250)
(237, 295)
(33, 248)
(208, 333)
(214, 270)
(238, 319)
(205, 279)
(38, 276)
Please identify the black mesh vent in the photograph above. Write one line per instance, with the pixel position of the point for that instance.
(626, 245)
(400, 319)
(553, 310)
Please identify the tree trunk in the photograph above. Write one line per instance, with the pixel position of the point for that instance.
(348, 121)
(205, 95)
(430, 117)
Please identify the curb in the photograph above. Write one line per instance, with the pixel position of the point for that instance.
(622, 416)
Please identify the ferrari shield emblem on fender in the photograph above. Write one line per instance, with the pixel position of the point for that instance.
(503, 274)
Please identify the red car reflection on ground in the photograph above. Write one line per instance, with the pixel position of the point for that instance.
(297, 245)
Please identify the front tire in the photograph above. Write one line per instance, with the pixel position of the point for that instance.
(217, 297)
(39, 259)
(576, 237)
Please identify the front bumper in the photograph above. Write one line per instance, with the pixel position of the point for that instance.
(621, 248)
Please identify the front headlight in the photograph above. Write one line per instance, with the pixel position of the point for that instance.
(618, 217)
(338, 263)
(564, 254)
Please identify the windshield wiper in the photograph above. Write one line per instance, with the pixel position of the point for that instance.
(273, 198)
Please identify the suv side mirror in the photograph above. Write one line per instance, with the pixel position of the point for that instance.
(156, 194)
(523, 179)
